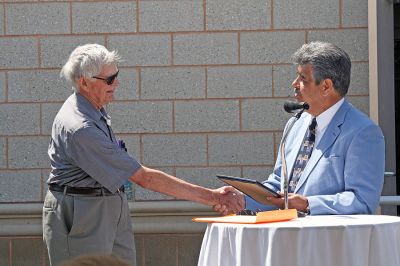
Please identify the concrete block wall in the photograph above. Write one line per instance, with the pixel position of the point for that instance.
(201, 90)
(202, 81)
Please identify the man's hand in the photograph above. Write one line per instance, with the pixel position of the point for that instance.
(230, 201)
(296, 201)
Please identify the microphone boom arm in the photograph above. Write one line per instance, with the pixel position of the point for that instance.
(283, 159)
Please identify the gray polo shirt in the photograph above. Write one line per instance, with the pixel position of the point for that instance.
(83, 150)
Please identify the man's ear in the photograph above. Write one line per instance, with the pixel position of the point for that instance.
(327, 87)
(82, 83)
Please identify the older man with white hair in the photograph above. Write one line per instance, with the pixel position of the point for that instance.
(85, 210)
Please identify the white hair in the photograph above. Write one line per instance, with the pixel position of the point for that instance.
(87, 61)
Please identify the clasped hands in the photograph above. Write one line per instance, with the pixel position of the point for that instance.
(232, 201)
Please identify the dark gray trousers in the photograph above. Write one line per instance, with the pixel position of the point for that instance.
(77, 225)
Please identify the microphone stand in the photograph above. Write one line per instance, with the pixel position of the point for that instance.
(283, 159)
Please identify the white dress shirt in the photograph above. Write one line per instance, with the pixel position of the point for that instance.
(324, 119)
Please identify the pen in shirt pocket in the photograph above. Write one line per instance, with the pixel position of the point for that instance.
(122, 145)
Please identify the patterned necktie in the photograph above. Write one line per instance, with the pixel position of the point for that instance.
(304, 155)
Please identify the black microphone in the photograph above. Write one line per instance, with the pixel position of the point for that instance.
(293, 107)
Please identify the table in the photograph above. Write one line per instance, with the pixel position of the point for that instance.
(328, 240)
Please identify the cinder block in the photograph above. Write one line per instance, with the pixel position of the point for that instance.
(264, 114)
(160, 248)
(28, 152)
(142, 50)
(19, 119)
(289, 14)
(49, 112)
(205, 48)
(128, 88)
(132, 143)
(284, 75)
(173, 83)
(2, 86)
(206, 116)
(238, 14)
(141, 117)
(37, 86)
(146, 194)
(244, 81)
(241, 149)
(27, 251)
(104, 17)
(3, 153)
(355, 13)
(360, 102)
(18, 53)
(269, 47)
(171, 16)
(359, 83)
(353, 41)
(20, 186)
(174, 150)
(189, 249)
(2, 20)
(34, 18)
(55, 51)
(260, 173)
(206, 176)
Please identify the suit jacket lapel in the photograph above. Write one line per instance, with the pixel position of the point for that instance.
(331, 133)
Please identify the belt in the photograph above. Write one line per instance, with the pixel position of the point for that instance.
(95, 192)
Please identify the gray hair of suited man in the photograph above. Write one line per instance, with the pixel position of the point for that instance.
(328, 62)
(87, 61)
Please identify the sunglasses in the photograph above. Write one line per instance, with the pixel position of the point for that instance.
(109, 80)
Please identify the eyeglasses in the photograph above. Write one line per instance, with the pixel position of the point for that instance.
(109, 80)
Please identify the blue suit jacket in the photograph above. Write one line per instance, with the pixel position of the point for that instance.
(346, 170)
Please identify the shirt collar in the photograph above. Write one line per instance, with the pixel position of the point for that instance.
(105, 116)
(87, 108)
(325, 118)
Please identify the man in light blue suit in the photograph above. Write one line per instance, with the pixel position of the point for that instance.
(344, 174)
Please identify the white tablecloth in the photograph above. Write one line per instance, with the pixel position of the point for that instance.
(334, 240)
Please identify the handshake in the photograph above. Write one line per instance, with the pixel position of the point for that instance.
(228, 200)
